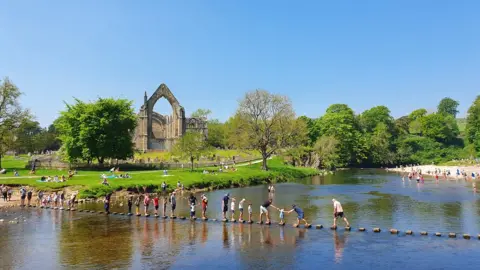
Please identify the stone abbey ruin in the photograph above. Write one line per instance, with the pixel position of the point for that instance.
(157, 132)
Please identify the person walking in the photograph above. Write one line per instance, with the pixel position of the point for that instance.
(130, 203)
(204, 206)
(264, 210)
(225, 200)
(29, 197)
(173, 201)
(338, 213)
(300, 215)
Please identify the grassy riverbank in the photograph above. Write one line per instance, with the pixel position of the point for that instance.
(89, 182)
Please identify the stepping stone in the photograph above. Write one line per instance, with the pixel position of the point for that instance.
(156, 216)
(243, 221)
(466, 236)
(173, 217)
(41, 206)
(122, 214)
(318, 227)
(393, 231)
(100, 212)
(138, 215)
(308, 226)
(194, 218)
(205, 219)
(361, 229)
(333, 227)
(377, 230)
(183, 218)
(409, 232)
(147, 215)
(478, 236)
(129, 214)
(259, 222)
(268, 223)
(452, 235)
(80, 210)
(214, 220)
(295, 225)
(164, 217)
(348, 228)
(424, 233)
(233, 221)
(281, 224)
(251, 222)
(438, 234)
(114, 213)
(73, 210)
(225, 220)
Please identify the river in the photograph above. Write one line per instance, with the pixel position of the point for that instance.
(53, 239)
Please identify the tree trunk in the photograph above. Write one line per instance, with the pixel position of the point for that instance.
(0, 161)
(264, 162)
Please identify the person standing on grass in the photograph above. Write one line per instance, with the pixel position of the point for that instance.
(225, 200)
(155, 204)
(240, 209)
(204, 206)
(338, 213)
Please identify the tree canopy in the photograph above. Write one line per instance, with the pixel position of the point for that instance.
(448, 106)
(97, 130)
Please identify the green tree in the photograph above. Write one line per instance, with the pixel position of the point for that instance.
(439, 127)
(369, 119)
(327, 148)
(11, 114)
(312, 128)
(380, 145)
(201, 113)
(340, 122)
(191, 146)
(419, 113)
(97, 130)
(472, 128)
(29, 137)
(265, 122)
(402, 125)
(216, 134)
(448, 106)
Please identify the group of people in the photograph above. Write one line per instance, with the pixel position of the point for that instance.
(55, 179)
(228, 204)
(55, 199)
(6, 193)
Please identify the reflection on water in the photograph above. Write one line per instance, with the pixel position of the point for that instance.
(56, 239)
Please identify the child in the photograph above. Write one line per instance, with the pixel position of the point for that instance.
(130, 203)
(192, 211)
(155, 204)
(204, 206)
(146, 203)
(137, 205)
(232, 209)
(240, 209)
(282, 216)
(165, 201)
(250, 213)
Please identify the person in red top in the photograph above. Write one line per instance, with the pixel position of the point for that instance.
(146, 202)
(155, 204)
(204, 206)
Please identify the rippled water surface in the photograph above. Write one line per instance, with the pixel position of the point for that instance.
(49, 239)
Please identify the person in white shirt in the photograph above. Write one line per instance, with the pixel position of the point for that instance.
(240, 209)
(338, 212)
(232, 209)
(250, 213)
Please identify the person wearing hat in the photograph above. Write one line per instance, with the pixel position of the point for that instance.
(300, 215)
(225, 200)
(338, 212)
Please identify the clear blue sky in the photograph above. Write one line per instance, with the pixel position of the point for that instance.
(403, 54)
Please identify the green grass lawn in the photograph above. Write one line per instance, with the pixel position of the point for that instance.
(222, 153)
(89, 182)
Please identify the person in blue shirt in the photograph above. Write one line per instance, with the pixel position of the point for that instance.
(300, 215)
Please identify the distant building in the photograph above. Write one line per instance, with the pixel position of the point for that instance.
(157, 132)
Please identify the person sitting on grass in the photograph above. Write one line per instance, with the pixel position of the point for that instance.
(15, 173)
(105, 182)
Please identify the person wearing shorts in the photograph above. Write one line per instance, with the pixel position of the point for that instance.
(300, 215)
(240, 209)
(155, 205)
(204, 206)
(264, 210)
(146, 203)
(29, 197)
(338, 213)
(192, 211)
(225, 200)
(23, 195)
(250, 212)
(173, 201)
(130, 203)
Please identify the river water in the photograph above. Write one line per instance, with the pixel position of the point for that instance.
(49, 239)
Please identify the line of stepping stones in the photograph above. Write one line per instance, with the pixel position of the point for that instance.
(319, 226)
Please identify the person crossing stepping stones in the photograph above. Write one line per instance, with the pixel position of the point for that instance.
(338, 213)
(264, 210)
(300, 215)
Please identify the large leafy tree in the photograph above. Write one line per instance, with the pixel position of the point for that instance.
(29, 137)
(216, 134)
(191, 146)
(265, 122)
(11, 114)
(340, 123)
(97, 130)
(448, 106)
(327, 150)
(369, 119)
(472, 129)
(313, 130)
(440, 127)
